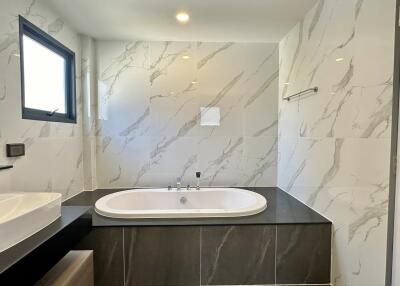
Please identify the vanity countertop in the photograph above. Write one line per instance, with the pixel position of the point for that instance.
(282, 209)
(74, 219)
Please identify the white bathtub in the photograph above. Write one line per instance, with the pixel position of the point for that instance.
(164, 203)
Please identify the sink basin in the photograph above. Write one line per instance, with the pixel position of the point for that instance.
(23, 214)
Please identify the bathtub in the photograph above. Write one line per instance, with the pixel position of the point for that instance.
(164, 203)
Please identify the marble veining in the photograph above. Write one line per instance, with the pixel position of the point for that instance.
(334, 146)
(223, 263)
(149, 110)
(56, 26)
(47, 144)
(204, 60)
(303, 243)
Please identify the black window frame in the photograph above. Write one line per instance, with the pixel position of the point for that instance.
(35, 33)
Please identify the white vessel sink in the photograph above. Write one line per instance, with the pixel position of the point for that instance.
(23, 214)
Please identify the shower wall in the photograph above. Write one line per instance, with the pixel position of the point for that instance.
(150, 129)
(334, 146)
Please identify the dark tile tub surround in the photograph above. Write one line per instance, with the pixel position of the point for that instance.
(211, 255)
(288, 243)
(243, 255)
(282, 209)
(301, 254)
(107, 246)
(172, 251)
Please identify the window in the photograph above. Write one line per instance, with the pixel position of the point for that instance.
(47, 76)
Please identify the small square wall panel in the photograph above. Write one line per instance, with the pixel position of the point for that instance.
(210, 116)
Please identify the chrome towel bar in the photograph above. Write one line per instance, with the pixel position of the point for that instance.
(314, 89)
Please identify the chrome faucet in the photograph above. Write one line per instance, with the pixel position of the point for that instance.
(198, 174)
(178, 184)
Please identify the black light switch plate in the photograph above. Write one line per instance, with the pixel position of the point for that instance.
(15, 150)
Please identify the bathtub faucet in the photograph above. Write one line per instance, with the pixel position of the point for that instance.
(198, 174)
(178, 184)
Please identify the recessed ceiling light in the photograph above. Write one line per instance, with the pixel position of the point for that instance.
(185, 57)
(339, 59)
(286, 83)
(194, 82)
(182, 17)
(16, 55)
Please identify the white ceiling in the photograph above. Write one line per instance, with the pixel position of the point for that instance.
(211, 20)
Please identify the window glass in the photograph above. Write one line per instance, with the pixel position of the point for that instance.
(44, 77)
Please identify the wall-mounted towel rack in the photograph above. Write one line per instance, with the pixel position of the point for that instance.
(5, 167)
(314, 89)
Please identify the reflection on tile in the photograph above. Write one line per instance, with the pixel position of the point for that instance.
(303, 254)
(159, 256)
(107, 246)
(164, 132)
(238, 255)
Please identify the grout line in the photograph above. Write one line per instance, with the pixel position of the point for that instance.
(123, 251)
(200, 240)
(276, 249)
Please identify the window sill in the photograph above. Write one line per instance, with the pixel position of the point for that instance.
(45, 117)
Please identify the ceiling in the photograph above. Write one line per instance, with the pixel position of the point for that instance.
(211, 20)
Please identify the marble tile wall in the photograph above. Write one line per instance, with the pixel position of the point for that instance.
(149, 100)
(53, 160)
(334, 146)
(89, 111)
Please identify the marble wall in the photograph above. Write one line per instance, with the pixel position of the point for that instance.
(53, 160)
(334, 146)
(150, 96)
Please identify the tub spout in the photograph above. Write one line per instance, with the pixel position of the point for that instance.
(198, 174)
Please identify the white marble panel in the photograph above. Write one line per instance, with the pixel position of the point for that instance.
(334, 145)
(155, 90)
(53, 150)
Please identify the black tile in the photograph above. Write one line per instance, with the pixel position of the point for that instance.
(303, 254)
(238, 255)
(282, 209)
(107, 246)
(162, 256)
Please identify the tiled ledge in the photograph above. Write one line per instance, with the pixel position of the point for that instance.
(287, 243)
(282, 209)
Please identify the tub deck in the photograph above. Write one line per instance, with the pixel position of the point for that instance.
(282, 209)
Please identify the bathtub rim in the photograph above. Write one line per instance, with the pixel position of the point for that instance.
(261, 205)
